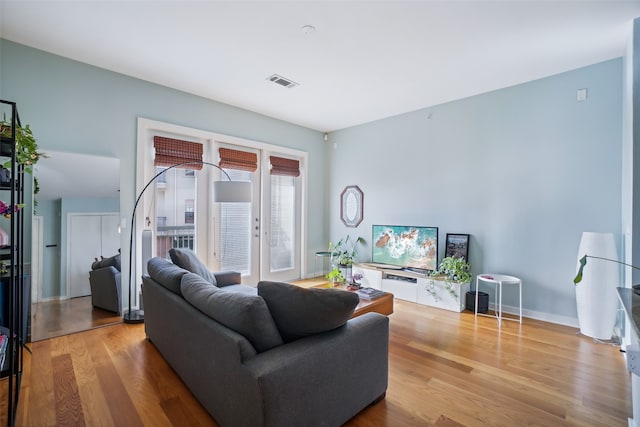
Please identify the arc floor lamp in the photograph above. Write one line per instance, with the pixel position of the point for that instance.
(223, 192)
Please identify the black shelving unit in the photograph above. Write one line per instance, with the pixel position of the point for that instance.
(12, 282)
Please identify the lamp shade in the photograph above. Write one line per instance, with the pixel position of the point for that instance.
(596, 296)
(232, 191)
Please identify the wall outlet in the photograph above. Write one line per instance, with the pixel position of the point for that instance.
(633, 359)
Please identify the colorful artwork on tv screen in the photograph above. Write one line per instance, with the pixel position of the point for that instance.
(406, 246)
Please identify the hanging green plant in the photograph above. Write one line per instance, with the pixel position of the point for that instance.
(27, 152)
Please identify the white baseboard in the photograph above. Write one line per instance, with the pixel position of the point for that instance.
(58, 298)
(539, 315)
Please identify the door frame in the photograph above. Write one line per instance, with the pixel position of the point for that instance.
(145, 170)
(37, 256)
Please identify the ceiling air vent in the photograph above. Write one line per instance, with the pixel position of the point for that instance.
(282, 81)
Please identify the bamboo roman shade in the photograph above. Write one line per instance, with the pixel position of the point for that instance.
(286, 167)
(171, 152)
(236, 159)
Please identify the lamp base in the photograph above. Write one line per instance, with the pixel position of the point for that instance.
(134, 316)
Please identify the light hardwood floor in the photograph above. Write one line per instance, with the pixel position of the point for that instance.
(445, 369)
(59, 317)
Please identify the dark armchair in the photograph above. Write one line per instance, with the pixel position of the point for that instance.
(104, 279)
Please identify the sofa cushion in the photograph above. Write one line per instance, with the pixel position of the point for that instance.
(299, 312)
(188, 260)
(244, 313)
(113, 261)
(167, 274)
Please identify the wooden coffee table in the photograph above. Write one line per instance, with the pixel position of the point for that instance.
(382, 305)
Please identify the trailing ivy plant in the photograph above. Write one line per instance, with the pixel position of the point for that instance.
(335, 276)
(27, 152)
(451, 270)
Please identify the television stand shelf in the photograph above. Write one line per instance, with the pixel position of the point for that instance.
(412, 286)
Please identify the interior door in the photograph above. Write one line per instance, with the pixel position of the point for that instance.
(90, 236)
(84, 245)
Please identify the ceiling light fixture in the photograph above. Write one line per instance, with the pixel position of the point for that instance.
(308, 29)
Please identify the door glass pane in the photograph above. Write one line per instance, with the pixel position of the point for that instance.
(235, 231)
(175, 194)
(283, 214)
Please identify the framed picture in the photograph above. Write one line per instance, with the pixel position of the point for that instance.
(457, 246)
(351, 204)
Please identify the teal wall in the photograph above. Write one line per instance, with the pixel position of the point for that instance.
(524, 170)
(74, 107)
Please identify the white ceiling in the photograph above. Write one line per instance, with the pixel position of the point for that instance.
(366, 60)
(63, 175)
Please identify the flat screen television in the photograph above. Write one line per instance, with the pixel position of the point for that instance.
(410, 247)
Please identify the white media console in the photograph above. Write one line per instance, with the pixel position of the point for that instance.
(414, 287)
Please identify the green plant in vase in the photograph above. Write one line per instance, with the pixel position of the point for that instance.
(452, 271)
(345, 250)
(335, 276)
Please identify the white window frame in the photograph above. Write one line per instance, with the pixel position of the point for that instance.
(145, 170)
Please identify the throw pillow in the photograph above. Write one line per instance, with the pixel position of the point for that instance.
(299, 312)
(167, 274)
(187, 259)
(113, 261)
(246, 314)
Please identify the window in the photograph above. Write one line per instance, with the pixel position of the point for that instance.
(282, 244)
(283, 222)
(162, 179)
(230, 236)
(188, 211)
(175, 193)
(235, 230)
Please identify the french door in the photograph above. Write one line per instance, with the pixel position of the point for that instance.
(263, 239)
(235, 243)
(260, 239)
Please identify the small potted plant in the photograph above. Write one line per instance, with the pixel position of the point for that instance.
(446, 286)
(354, 285)
(335, 277)
(343, 253)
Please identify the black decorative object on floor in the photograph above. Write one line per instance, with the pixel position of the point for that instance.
(483, 301)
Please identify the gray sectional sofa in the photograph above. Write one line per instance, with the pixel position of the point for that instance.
(273, 355)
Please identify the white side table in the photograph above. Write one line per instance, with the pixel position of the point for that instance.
(498, 280)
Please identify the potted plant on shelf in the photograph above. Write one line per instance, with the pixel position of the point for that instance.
(343, 253)
(27, 152)
(446, 286)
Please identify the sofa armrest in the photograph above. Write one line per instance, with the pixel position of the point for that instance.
(105, 288)
(345, 369)
(226, 278)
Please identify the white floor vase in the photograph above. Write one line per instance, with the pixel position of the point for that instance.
(596, 297)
